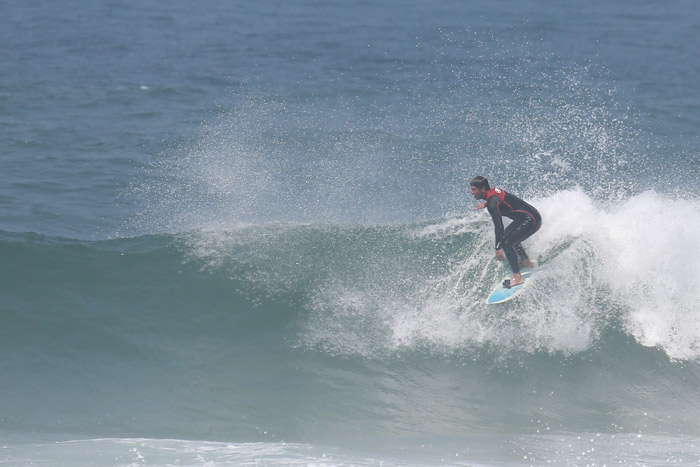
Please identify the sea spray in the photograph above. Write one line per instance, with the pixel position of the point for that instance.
(526, 119)
(596, 273)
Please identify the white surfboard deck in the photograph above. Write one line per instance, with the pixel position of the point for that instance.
(501, 294)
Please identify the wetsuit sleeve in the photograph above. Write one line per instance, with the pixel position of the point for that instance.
(492, 206)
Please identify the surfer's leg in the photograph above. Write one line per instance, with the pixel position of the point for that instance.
(521, 252)
(511, 253)
(525, 261)
(512, 256)
(514, 235)
(510, 246)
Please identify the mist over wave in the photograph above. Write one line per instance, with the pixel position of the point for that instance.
(523, 117)
(347, 199)
(372, 290)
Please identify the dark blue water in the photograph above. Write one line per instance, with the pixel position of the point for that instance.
(236, 233)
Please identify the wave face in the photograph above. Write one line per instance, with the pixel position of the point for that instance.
(347, 334)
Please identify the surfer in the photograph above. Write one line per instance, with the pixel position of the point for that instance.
(526, 221)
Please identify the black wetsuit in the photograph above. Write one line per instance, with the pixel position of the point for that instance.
(526, 221)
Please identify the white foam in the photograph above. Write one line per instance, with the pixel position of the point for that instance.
(133, 452)
(450, 227)
(649, 248)
(632, 262)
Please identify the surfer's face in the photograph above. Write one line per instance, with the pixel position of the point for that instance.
(478, 193)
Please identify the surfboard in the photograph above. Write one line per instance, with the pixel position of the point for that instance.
(502, 294)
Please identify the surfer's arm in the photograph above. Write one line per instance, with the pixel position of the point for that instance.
(492, 206)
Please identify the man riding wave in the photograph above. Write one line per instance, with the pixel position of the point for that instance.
(526, 221)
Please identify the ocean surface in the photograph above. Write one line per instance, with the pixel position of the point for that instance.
(241, 233)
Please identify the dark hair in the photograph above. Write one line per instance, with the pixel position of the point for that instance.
(480, 182)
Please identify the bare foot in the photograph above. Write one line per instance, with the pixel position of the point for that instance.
(527, 263)
(517, 279)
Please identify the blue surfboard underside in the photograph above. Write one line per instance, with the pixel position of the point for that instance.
(501, 294)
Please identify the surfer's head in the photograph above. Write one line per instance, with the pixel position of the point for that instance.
(479, 186)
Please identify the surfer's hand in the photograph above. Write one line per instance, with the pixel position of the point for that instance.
(500, 256)
(481, 205)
